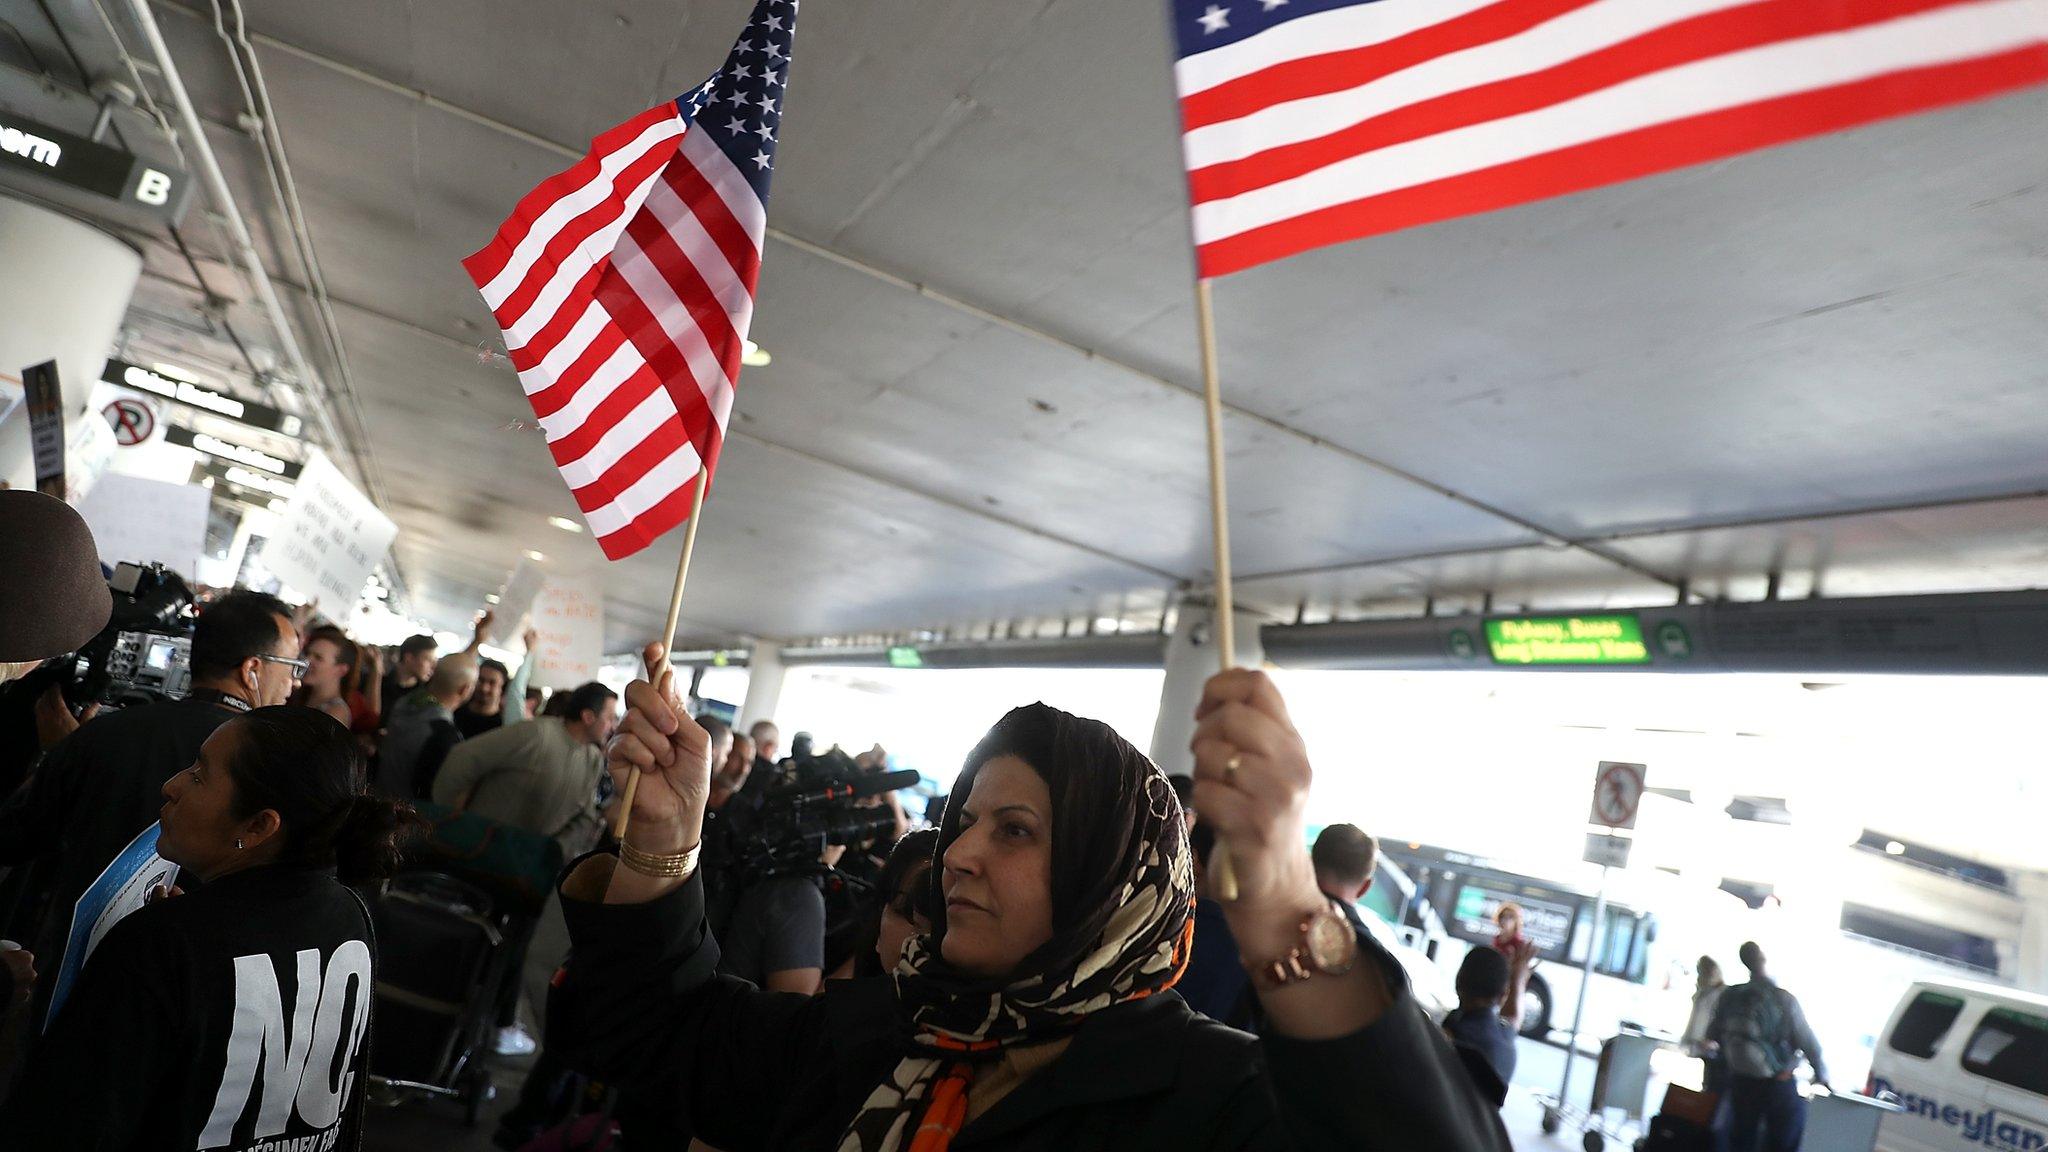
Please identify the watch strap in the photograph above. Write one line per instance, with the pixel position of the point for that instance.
(1298, 963)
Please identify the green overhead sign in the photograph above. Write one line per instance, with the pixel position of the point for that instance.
(1585, 640)
(905, 657)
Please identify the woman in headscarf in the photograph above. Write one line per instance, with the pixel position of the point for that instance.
(1037, 1013)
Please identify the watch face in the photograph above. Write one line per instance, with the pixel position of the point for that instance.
(1331, 942)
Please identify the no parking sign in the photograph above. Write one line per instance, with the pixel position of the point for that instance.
(133, 421)
(136, 419)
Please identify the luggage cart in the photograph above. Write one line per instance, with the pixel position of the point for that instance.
(447, 931)
(442, 956)
(1621, 1082)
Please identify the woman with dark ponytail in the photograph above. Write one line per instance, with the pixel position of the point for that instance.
(236, 1016)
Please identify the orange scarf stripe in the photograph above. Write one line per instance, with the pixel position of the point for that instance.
(1183, 949)
(946, 1113)
(953, 1044)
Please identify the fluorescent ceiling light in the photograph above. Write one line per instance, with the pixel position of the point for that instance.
(565, 524)
(491, 599)
(753, 355)
(241, 454)
(273, 485)
(177, 373)
(536, 557)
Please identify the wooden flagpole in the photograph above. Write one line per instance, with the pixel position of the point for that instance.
(668, 631)
(1225, 623)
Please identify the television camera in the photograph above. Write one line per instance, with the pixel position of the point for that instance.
(144, 653)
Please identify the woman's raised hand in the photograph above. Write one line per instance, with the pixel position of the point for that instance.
(673, 755)
(1251, 786)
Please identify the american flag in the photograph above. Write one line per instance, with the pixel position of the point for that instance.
(1311, 122)
(625, 286)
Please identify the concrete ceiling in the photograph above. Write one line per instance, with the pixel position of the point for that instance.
(1829, 359)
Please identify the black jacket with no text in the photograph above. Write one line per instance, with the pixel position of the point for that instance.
(642, 1005)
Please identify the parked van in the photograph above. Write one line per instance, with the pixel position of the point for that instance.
(1968, 1064)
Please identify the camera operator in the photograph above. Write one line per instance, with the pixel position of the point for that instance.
(94, 792)
(778, 870)
(52, 601)
(174, 1035)
(904, 904)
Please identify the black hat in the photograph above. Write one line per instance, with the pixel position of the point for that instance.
(53, 597)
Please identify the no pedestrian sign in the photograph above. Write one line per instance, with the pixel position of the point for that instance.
(1617, 794)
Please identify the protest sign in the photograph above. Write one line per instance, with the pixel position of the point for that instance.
(329, 538)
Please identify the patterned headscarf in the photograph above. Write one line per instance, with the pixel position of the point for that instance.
(1123, 921)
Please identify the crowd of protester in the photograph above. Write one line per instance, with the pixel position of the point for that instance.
(744, 972)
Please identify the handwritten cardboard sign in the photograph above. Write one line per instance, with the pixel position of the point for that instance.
(329, 539)
(570, 620)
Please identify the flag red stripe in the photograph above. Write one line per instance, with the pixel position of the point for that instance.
(601, 215)
(659, 445)
(557, 396)
(631, 391)
(707, 314)
(528, 356)
(1702, 37)
(1328, 72)
(741, 250)
(485, 264)
(709, 446)
(1665, 146)
(649, 525)
(667, 360)
(689, 285)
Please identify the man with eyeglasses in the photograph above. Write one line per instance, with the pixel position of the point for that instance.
(90, 794)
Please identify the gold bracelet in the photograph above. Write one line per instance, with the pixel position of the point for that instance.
(661, 867)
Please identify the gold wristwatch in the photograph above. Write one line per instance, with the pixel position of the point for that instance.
(1329, 947)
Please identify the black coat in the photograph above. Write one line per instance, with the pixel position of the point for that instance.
(643, 1006)
(89, 797)
(172, 1038)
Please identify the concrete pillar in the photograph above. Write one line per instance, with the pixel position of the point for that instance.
(63, 291)
(2032, 972)
(764, 685)
(1190, 661)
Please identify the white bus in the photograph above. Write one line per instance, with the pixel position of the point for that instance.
(1656, 928)
(1643, 963)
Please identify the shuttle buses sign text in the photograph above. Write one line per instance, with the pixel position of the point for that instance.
(1610, 639)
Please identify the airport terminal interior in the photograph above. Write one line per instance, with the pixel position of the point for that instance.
(902, 574)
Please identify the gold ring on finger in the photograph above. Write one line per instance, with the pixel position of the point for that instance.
(1235, 762)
